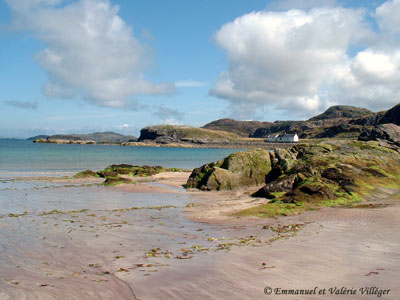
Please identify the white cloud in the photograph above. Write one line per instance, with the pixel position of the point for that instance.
(91, 51)
(299, 61)
(190, 83)
(168, 115)
(387, 16)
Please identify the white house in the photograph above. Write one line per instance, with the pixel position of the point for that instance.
(283, 138)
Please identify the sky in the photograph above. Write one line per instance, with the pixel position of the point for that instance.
(80, 66)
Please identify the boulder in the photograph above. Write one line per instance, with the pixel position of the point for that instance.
(240, 169)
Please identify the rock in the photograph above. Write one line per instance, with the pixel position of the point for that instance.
(86, 173)
(321, 191)
(280, 185)
(126, 169)
(117, 181)
(240, 169)
(389, 132)
(337, 176)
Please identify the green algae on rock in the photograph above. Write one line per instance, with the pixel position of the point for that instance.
(335, 173)
(119, 174)
(241, 169)
(85, 174)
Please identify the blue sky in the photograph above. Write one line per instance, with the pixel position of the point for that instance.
(85, 65)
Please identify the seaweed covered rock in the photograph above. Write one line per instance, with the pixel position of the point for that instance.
(240, 169)
(117, 181)
(85, 174)
(123, 173)
(125, 169)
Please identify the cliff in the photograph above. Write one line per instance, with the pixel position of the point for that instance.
(165, 134)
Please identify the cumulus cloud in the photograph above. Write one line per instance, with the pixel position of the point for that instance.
(91, 52)
(168, 115)
(301, 62)
(23, 105)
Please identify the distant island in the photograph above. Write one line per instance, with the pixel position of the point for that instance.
(340, 121)
(90, 138)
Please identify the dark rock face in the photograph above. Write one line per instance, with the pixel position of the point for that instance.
(337, 176)
(333, 131)
(389, 132)
(370, 120)
(392, 115)
(241, 169)
(285, 184)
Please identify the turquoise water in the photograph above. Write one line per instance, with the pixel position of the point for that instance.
(22, 157)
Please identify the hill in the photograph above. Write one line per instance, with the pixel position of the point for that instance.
(342, 111)
(241, 128)
(337, 121)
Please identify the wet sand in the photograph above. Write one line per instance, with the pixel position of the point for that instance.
(154, 240)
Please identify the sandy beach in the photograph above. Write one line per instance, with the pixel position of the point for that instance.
(155, 240)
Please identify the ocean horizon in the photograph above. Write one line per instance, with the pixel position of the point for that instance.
(24, 158)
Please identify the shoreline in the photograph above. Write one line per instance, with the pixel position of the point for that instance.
(231, 145)
(181, 249)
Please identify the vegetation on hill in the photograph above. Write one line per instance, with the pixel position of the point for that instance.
(174, 133)
(342, 111)
(241, 128)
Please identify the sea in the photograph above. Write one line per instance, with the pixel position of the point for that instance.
(58, 237)
(25, 158)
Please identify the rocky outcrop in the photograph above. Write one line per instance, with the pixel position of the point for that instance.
(241, 169)
(307, 176)
(388, 132)
(165, 134)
